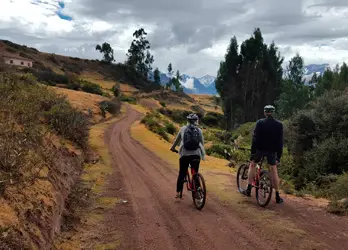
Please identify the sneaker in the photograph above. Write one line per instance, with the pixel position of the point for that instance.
(247, 192)
(177, 196)
(279, 200)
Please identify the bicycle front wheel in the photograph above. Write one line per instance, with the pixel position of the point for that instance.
(199, 193)
(264, 189)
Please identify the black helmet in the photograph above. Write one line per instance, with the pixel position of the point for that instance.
(192, 117)
(269, 109)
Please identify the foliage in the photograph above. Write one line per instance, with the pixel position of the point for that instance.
(116, 90)
(139, 56)
(151, 121)
(249, 79)
(91, 87)
(170, 73)
(113, 107)
(163, 104)
(176, 81)
(178, 116)
(170, 128)
(26, 108)
(130, 99)
(156, 76)
(318, 140)
(218, 150)
(68, 122)
(294, 93)
(108, 52)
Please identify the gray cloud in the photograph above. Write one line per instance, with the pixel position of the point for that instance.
(180, 31)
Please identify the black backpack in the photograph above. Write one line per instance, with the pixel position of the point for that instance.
(192, 138)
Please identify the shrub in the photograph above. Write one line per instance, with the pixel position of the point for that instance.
(113, 107)
(129, 99)
(116, 90)
(90, 87)
(150, 121)
(210, 121)
(74, 85)
(198, 110)
(218, 150)
(170, 128)
(68, 122)
(163, 104)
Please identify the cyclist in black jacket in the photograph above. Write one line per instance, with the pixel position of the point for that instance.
(268, 142)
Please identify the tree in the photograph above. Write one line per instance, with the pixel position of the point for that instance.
(176, 81)
(170, 73)
(139, 56)
(294, 93)
(170, 69)
(249, 79)
(108, 52)
(156, 76)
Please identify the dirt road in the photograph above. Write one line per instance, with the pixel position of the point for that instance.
(152, 219)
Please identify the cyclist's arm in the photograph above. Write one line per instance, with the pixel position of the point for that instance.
(280, 142)
(177, 140)
(255, 136)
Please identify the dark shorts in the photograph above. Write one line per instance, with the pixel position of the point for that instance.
(271, 157)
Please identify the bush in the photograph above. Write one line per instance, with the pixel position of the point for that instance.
(178, 116)
(129, 99)
(150, 121)
(171, 129)
(113, 107)
(68, 122)
(24, 105)
(218, 150)
(163, 104)
(210, 121)
(116, 90)
(49, 76)
(74, 85)
(90, 87)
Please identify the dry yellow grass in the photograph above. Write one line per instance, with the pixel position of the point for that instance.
(207, 103)
(107, 84)
(84, 101)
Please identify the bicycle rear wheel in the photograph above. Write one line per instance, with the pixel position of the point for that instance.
(264, 189)
(199, 196)
(242, 177)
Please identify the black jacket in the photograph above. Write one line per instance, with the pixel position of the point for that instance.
(268, 136)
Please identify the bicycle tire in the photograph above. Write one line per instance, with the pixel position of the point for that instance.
(241, 172)
(267, 175)
(203, 188)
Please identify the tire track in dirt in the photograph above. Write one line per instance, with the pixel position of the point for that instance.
(161, 222)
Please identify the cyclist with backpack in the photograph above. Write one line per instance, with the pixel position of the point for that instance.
(191, 149)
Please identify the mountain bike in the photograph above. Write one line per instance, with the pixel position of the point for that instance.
(196, 184)
(262, 182)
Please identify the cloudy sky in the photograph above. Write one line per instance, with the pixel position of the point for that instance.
(192, 34)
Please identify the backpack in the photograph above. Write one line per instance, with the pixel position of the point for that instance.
(192, 138)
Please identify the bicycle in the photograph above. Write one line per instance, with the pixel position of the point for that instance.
(199, 191)
(261, 182)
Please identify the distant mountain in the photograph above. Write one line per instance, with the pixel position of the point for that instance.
(206, 84)
(192, 85)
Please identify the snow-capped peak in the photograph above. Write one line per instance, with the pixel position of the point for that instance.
(207, 80)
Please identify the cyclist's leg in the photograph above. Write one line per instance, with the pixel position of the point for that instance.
(256, 157)
(183, 163)
(272, 161)
(194, 162)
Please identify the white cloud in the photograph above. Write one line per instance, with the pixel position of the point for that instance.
(192, 35)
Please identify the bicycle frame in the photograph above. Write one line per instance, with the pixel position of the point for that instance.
(189, 179)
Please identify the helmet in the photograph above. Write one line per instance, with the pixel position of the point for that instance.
(269, 109)
(192, 117)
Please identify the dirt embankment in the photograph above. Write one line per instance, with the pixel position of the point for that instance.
(32, 214)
